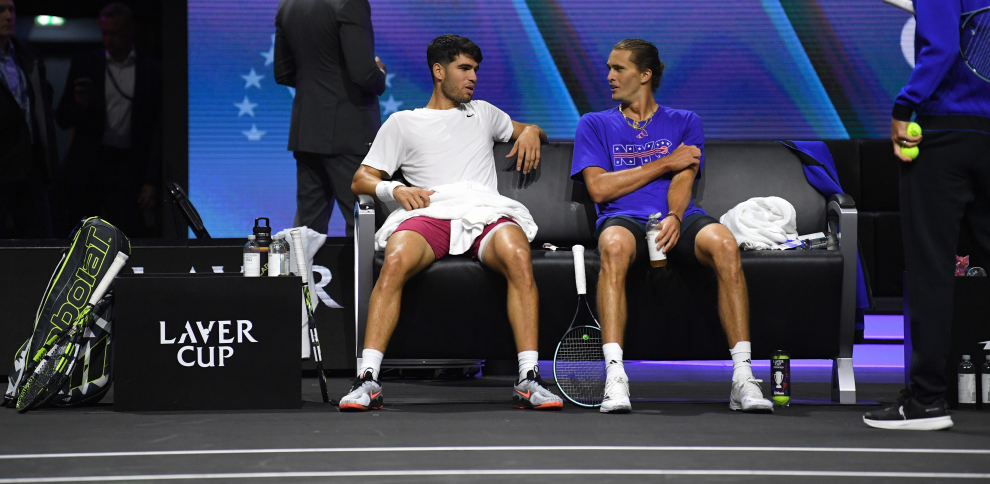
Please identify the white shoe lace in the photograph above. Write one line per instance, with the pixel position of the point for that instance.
(754, 390)
(612, 391)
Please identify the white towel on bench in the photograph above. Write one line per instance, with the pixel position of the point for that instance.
(471, 206)
(761, 223)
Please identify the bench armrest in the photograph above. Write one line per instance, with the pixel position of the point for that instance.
(364, 257)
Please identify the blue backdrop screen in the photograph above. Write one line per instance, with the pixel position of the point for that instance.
(752, 69)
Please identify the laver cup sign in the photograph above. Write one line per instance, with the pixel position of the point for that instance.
(199, 350)
(207, 342)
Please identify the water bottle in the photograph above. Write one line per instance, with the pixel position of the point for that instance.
(657, 257)
(252, 258)
(263, 237)
(278, 257)
(780, 376)
(985, 387)
(967, 384)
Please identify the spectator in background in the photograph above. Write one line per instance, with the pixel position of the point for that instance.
(325, 49)
(27, 136)
(112, 100)
(947, 185)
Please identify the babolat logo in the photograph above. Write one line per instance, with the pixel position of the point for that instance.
(199, 351)
(79, 289)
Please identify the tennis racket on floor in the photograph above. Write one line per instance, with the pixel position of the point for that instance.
(974, 42)
(56, 366)
(579, 363)
(314, 336)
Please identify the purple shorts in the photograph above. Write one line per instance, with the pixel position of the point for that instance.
(437, 233)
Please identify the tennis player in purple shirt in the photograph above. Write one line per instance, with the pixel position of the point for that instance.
(637, 159)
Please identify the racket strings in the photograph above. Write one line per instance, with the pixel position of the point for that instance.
(976, 43)
(579, 366)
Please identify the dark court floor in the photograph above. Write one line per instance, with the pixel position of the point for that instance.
(466, 431)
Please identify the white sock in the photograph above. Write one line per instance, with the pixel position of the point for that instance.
(742, 367)
(528, 360)
(371, 360)
(613, 360)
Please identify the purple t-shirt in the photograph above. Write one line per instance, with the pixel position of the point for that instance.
(604, 140)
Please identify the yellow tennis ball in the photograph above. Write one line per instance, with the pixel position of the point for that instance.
(913, 130)
(910, 152)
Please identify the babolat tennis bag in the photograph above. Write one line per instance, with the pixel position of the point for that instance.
(95, 244)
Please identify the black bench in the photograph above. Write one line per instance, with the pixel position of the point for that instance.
(801, 301)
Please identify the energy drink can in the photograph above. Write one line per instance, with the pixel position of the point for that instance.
(780, 376)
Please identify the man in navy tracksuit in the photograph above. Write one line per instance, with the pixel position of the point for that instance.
(946, 185)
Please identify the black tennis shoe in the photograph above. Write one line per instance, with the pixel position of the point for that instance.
(909, 414)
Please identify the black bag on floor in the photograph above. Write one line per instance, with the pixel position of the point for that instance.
(95, 244)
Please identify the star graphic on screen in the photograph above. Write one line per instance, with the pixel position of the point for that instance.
(252, 79)
(388, 80)
(246, 107)
(270, 55)
(390, 106)
(254, 134)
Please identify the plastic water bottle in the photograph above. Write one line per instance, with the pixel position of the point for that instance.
(252, 258)
(985, 380)
(278, 257)
(780, 378)
(263, 237)
(657, 257)
(967, 384)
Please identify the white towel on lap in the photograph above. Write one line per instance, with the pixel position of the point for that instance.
(761, 223)
(471, 206)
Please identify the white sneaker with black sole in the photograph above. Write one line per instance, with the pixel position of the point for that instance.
(748, 396)
(616, 395)
(909, 414)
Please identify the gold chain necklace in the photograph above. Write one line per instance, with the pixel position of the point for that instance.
(638, 125)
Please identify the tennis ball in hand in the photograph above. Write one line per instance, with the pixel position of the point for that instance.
(913, 129)
(911, 152)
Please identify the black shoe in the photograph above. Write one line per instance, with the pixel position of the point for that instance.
(909, 414)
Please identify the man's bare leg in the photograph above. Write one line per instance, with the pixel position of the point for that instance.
(617, 246)
(508, 254)
(406, 254)
(716, 247)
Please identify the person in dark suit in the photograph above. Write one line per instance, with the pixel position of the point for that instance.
(325, 49)
(27, 136)
(112, 100)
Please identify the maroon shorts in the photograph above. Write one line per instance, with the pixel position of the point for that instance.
(437, 233)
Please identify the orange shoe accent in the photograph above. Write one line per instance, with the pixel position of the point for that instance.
(550, 406)
(373, 394)
(352, 406)
(525, 395)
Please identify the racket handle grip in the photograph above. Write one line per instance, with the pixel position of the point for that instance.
(300, 250)
(579, 279)
(101, 288)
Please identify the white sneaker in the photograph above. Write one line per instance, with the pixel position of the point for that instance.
(748, 396)
(365, 394)
(616, 395)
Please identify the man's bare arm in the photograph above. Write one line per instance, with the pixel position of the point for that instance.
(605, 186)
(366, 182)
(528, 138)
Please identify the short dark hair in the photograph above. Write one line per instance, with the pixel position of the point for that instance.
(646, 56)
(118, 10)
(445, 49)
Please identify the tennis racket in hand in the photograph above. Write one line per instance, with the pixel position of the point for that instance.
(974, 42)
(56, 366)
(579, 363)
(314, 337)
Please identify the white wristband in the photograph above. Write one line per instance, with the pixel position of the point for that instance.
(384, 190)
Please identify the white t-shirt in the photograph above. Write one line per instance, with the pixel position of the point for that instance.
(440, 146)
